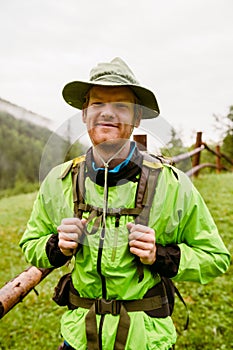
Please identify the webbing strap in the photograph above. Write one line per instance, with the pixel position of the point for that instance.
(145, 195)
(91, 329)
(146, 191)
(103, 306)
(74, 182)
(97, 212)
(185, 305)
(81, 182)
(92, 334)
(110, 211)
(114, 307)
(78, 191)
(122, 329)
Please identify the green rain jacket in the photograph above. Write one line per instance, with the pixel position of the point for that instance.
(178, 215)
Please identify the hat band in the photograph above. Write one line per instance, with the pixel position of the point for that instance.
(115, 79)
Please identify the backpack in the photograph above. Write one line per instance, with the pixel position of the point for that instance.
(151, 169)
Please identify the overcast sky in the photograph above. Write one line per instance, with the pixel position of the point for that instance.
(181, 49)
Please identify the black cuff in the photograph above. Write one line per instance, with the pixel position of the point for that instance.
(167, 260)
(55, 256)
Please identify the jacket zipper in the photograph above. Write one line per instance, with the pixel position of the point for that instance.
(103, 282)
(114, 248)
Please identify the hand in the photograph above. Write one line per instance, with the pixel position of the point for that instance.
(69, 233)
(142, 242)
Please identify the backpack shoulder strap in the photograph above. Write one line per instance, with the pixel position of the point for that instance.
(146, 191)
(148, 180)
(78, 160)
(151, 169)
(78, 171)
(71, 165)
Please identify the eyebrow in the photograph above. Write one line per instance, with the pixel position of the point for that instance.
(118, 99)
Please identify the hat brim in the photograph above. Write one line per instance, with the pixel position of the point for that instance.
(74, 94)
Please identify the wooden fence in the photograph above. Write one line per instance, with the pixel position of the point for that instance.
(195, 155)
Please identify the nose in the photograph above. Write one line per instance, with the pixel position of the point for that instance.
(107, 111)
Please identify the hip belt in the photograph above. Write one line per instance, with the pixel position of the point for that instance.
(155, 304)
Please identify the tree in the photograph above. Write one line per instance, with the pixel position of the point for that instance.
(225, 124)
(175, 147)
(227, 145)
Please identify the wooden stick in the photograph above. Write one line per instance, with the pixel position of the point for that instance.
(15, 290)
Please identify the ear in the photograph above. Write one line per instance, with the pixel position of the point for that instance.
(138, 116)
(84, 115)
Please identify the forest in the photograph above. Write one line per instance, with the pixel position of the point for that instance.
(22, 145)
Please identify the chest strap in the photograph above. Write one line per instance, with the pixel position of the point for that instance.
(97, 214)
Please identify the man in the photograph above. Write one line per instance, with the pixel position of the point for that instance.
(116, 296)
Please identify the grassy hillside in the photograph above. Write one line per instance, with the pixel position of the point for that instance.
(34, 323)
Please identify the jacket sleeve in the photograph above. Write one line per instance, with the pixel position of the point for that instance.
(203, 253)
(38, 231)
(53, 203)
(189, 245)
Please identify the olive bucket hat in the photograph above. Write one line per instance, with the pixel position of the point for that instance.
(114, 73)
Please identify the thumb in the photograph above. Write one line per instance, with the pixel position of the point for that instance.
(83, 221)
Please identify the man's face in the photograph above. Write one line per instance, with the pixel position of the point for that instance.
(110, 114)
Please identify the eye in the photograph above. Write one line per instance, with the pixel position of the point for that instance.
(96, 104)
(121, 105)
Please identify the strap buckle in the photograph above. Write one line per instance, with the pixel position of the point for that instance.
(103, 306)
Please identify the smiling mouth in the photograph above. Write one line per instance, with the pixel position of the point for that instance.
(107, 125)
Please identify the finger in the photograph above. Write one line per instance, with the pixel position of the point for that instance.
(141, 245)
(69, 228)
(141, 253)
(147, 257)
(138, 227)
(70, 224)
(144, 237)
(70, 221)
(136, 236)
(73, 222)
(74, 237)
(67, 245)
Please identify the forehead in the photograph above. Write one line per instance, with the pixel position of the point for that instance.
(116, 93)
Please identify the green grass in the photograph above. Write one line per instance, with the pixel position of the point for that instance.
(210, 306)
(35, 323)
